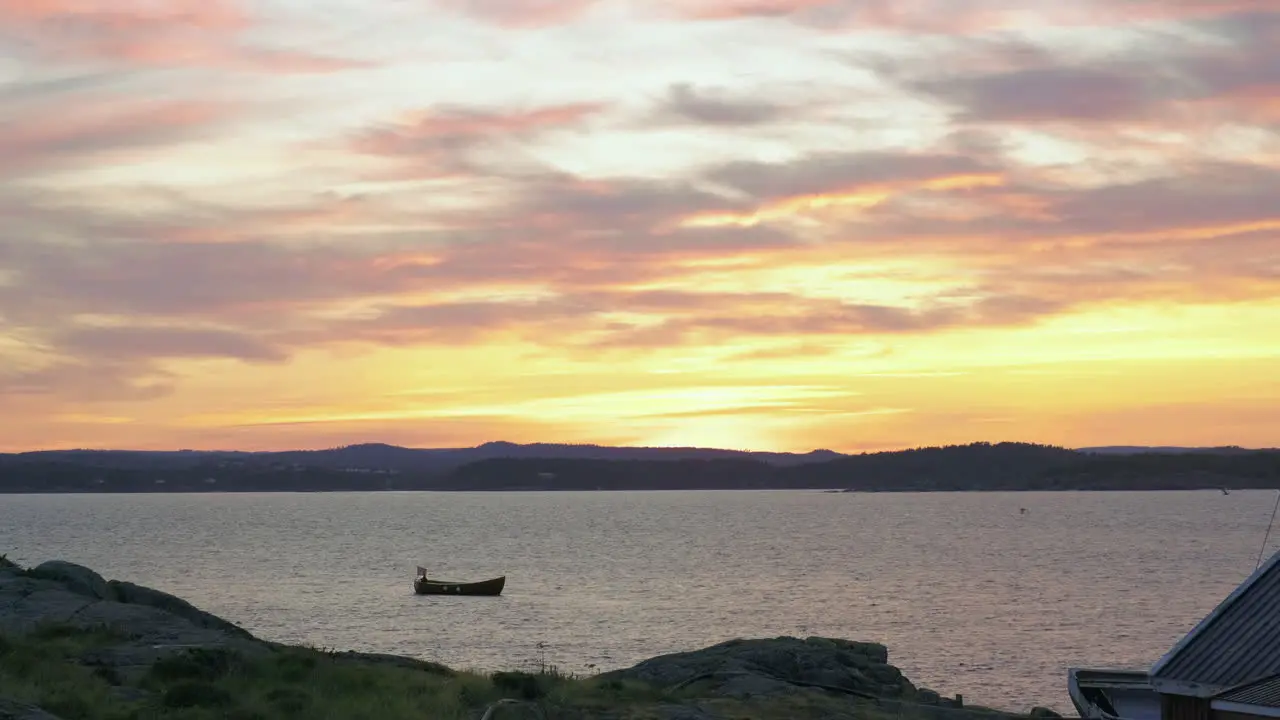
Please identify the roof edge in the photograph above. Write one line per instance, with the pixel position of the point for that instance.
(1213, 615)
(1183, 688)
(1245, 708)
(1248, 684)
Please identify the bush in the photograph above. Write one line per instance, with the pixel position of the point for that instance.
(197, 694)
(69, 705)
(295, 668)
(289, 701)
(206, 664)
(108, 674)
(522, 684)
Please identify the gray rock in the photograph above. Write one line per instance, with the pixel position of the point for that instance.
(400, 661)
(27, 602)
(151, 624)
(683, 712)
(76, 578)
(762, 667)
(1044, 712)
(749, 685)
(127, 592)
(14, 710)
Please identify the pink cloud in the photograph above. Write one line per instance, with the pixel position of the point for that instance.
(152, 34)
(130, 16)
(460, 124)
(52, 135)
(580, 248)
(954, 16)
(438, 143)
(730, 9)
(520, 13)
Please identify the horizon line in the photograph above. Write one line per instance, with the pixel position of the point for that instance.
(903, 448)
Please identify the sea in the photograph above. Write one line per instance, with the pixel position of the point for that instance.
(988, 595)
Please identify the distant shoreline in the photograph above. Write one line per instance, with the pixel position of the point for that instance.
(977, 467)
(454, 491)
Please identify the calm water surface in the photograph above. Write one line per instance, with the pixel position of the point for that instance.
(971, 595)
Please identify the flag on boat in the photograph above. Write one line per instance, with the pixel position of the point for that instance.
(422, 570)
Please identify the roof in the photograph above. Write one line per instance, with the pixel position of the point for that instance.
(1262, 692)
(1238, 642)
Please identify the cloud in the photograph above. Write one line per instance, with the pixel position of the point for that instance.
(512, 183)
(442, 142)
(146, 343)
(44, 137)
(149, 34)
(179, 279)
(568, 259)
(685, 103)
(842, 172)
(1202, 201)
(800, 317)
(1230, 59)
(571, 263)
(88, 380)
(954, 16)
(670, 318)
(519, 13)
(1055, 94)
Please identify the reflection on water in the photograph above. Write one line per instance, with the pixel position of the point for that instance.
(971, 594)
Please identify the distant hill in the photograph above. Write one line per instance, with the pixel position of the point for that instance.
(380, 456)
(507, 466)
(1166, 450)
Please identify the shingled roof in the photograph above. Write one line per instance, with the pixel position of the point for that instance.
(1237, 643)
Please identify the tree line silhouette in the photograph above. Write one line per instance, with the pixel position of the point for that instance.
(982, 466)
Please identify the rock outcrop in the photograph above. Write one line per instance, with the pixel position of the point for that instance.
(155, 623)
(785, 664)
(10, 710)
(77, 578)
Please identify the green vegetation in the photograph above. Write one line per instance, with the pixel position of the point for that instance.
(61, 669)
(51, 668)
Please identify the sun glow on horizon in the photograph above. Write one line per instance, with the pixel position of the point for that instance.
(880, 230)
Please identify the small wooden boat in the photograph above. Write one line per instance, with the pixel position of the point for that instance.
(422, 585)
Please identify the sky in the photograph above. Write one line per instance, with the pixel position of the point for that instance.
(754, 224)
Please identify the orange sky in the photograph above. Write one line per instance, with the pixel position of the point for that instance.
(789, 224)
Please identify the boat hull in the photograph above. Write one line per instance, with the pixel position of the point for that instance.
(424, 586)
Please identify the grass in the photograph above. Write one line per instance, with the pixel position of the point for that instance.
(44, 668)
(34, 669)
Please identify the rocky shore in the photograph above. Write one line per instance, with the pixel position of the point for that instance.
(74, 646)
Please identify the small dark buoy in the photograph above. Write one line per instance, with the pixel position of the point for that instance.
(1023, 511)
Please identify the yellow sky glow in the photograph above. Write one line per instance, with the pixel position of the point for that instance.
(469, 224)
